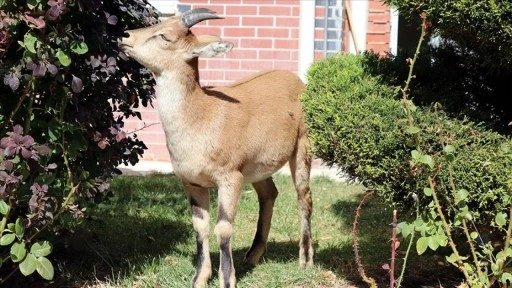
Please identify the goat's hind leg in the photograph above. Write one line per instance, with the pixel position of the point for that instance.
(199, 199)
(300, 166)
(267, 193)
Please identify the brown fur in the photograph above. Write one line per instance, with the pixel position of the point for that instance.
(225, 136)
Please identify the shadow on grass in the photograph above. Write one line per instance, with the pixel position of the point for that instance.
(123, 232)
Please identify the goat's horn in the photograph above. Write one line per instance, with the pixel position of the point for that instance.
(194, 16)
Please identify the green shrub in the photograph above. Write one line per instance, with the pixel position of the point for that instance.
(66, 93)
(357, 123)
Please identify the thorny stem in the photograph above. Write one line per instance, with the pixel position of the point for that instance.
(369, 280)
(393, 252)
(411, 241)
(405, 89)
(447, 228)
(410, 120)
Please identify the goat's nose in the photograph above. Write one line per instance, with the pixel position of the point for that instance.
(125, 34)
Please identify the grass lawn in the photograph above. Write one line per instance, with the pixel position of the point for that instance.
(143, 237)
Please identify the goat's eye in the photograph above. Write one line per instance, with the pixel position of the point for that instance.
(164, 37)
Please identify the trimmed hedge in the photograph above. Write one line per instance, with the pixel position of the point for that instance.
(356, 123)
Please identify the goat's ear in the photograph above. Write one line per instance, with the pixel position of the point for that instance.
(211, 49)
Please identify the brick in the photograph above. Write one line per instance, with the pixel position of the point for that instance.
(157, 137)
(274, 32)
(257, 21)
(286, 65)
(256, 43)
(242, 54)
(257, 2)
(319, 11)
(208, 75)
(256, 65)
(241, 10)
(223, 64)
(227, 21)
(288, 2)
(275, 10)
(376, 28)
(239, 32)
(294, 33)
(373, 38)
(274, 54)
(296, 11)
(286, 44)
(319, 55)
(238, 74)
(294, 55)
(202, 63)
(287, 22)
(379, 17)
(319, 34)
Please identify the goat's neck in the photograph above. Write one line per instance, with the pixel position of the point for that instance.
(178, 85)
(179, 95)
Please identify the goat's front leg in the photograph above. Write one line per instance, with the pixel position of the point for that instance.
(199, 199)
(228, 199)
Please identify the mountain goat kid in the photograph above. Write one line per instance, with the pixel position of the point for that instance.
(225, 136)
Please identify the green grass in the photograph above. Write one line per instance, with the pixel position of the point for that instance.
(143, 237)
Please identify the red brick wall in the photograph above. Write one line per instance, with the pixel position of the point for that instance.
(379, 27)
(265, 34)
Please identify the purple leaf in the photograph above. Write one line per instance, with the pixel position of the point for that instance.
(14, 83)
(112, 20)
(39, 70)
(385, 266)
(17, 129)
(39, 22)
(7, 165)
(9, 151)
(11, 80)
(51, 166)
(52, 69)
(27, 154)
(76, 84)
(27, 141)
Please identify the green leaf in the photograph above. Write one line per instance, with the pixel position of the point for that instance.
(452, 258)
(7, 239)
(427, 191)
(501, 219)
(413, 130)
(30, 42)
(449, 149)
(18, 228)
(432, 243)
(441, 239)
(4, 208)
(54, 130)
(462, 195)
(474, 235)
(45, 268)
(63, 58)
(422, 245)
(506, 277)
(415, 154)
(79, 47)
(405, 229)
(41, 249)
(18, 251)
(29, 265)
(427, 159)
(32, 4)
